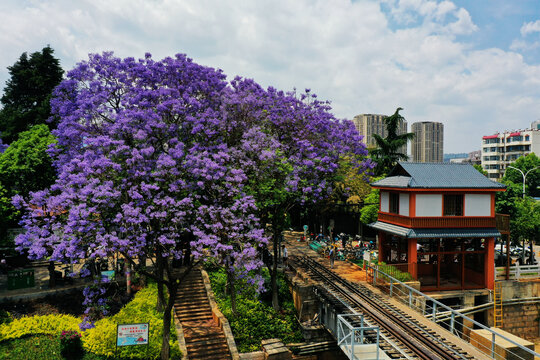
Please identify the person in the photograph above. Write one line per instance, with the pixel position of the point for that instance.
(332, 256)
(285, 254)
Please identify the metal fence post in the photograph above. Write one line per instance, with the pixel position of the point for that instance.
(391, 283)
(434, 312)
(493, 345)
(410, 298)
(452, 322)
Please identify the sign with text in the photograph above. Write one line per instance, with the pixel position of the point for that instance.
(132, 334)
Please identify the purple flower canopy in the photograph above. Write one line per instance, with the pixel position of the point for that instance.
(150, 149)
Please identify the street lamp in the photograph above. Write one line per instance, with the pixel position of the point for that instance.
(524, 175)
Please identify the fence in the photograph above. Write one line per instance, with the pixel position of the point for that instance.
(518, 272)
(448, 318)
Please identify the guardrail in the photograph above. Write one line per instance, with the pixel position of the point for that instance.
(517, 272)
(444, 316)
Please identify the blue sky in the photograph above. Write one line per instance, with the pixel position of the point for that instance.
(472, 65)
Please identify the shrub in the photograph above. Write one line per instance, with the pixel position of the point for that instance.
(256, 320)
(47, 324)
(5, 317)
(70, 344)
(142, 309)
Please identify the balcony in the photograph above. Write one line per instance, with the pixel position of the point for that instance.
(439, 222)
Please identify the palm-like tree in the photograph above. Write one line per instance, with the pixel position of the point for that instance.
(387, 152)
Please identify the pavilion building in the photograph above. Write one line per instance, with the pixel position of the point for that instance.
(439, 219)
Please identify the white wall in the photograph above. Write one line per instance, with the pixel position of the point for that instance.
(477, 205)
(404, 204)
(385, 201)
(428, 205)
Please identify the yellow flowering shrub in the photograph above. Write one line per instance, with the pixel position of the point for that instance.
(101, 340)
(46, 324)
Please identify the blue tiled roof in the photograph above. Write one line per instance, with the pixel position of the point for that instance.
(437, 175)
(435, 233)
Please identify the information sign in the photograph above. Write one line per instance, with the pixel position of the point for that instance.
(132, 334)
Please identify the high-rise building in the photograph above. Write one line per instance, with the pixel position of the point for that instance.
(369, 124)
(427, 145)
(502, 149)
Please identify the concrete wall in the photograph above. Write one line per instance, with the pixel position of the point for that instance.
(385, 201)
(477, 205)
(404, 204)
(429, 205)
(521, 316)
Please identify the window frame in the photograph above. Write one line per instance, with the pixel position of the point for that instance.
(457, 201)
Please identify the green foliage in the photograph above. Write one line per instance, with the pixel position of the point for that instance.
(25, 166)
(47, 324)
(28, 92)
(256, 320)
(71, 345)
(525, 163)
(480, 169)
(370, 210)
(101, 340)
(387, 152)
(38, 347)
(526, 222)
(5, 317)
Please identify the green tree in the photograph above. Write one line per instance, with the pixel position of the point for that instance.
(480, 169)
(526, 163)
(387, 154)
(370, 210)
(25, 166)
(28, 92)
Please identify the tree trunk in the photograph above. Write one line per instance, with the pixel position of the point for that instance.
(273, 274)
(160, 274)
(167, 318)
(52, 278)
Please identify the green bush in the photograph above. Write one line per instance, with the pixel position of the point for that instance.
(101, 340)
(5, 317)
(256, 320)
(71, 345)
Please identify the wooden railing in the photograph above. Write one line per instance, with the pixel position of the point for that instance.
(438, 222)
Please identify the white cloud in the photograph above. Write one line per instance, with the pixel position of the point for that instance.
(348, 52)
(530, 27)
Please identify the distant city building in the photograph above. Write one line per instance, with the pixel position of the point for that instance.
(427, 145)
(502, 149)
(535, 125)
(369, 124)
(474, 157)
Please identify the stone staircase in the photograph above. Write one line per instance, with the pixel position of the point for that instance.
(203, 336)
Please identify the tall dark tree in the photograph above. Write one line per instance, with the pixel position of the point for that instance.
(387, 153)
(28, 93)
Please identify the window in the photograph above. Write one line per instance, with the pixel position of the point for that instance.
(394, 203)
(453, 205)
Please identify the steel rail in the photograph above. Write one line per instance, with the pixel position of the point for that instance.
(416, 340)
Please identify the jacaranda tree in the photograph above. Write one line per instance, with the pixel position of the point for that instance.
(149, 151)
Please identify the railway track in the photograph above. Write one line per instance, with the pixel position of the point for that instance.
(404, 337)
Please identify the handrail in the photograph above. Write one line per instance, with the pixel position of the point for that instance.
(454, 314)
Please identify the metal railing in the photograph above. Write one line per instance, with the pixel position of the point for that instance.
(449, 319)
(351, 338)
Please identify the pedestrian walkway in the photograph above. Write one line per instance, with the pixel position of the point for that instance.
(345, 269)
(204, 338)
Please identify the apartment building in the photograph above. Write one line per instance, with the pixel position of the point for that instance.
(369, 124)
(502, 149)
(427, 145)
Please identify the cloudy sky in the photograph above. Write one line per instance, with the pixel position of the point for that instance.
(472, 65)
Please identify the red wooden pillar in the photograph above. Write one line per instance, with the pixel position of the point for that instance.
(412, 258)
(382, 242)
(489, 263)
